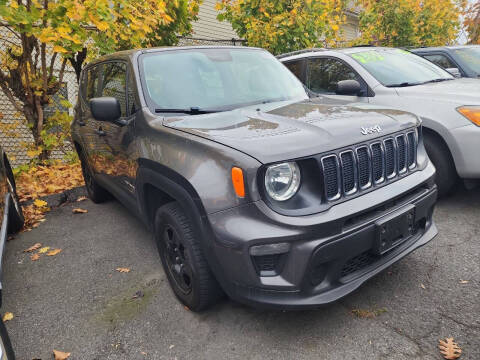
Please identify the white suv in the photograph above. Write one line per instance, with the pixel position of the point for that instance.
(449, 107)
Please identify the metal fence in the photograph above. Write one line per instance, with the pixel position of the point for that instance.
(15, 136)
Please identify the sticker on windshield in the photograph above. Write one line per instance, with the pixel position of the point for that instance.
(368, 56)
(401, 51)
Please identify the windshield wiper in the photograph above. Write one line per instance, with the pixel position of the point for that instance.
(436, 80)
(404, 84)
(190, 111)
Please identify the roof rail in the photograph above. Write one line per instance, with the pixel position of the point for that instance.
(300, 52)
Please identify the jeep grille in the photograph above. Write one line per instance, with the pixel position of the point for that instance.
(367, 165)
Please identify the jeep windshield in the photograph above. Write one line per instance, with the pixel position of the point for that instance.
(399, 68)
(202, 80)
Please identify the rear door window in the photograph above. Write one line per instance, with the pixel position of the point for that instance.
(440, 60)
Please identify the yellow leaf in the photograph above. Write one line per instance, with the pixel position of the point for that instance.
(123, 270)
(81, 198)
(102, 26)
(40, 203)
(54, 252)
(60, 49)
(7, 316)
(43, 250)
(60, 355)
(35, 257)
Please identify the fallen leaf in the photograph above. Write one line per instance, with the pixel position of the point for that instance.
(81, 198)
(123, 270)
(60, 355)
(79, 211)
(143, 353)
(449, 349)
(44, 249)
(171, 347)
(368, 314)
(39, 181)
(422, 286)
(54, 252)
(463, 281)
(40, 203)
(7, 316)
(33, 248)
(35, 257)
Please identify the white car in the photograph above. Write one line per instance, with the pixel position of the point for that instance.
(448, 106)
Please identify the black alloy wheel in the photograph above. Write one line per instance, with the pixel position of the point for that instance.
(183, 259)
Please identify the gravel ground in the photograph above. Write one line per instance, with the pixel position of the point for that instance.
(77, 302)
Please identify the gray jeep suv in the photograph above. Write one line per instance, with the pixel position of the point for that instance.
(250, 188)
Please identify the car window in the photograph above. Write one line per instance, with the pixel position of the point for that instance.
(295, 67)
(396, 67)
(92, 83)
(114, 83)
(132, 102)
(440, 60)
(325, 73)
(471, 56)
(219, 79)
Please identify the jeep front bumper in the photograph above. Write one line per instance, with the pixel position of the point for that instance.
(326, 255)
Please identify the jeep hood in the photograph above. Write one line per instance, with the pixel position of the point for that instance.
(283, 131)
(463, 91)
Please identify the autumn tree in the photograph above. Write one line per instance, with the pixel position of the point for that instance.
(472, 22)
(409, 22)
(41, 32)
(282, 26)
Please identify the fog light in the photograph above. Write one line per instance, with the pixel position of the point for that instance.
(269, 249)
(269, 259)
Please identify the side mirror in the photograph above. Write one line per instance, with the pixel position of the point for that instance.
(348, 87)
(105, 109)
(454, 71)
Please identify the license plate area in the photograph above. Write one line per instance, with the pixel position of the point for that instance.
(394, 229)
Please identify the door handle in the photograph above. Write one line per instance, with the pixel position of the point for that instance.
(100, 132)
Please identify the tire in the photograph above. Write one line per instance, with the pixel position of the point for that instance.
(183, 260)
(15, 213)
(96, 193)
(442, 159)
(5, 345)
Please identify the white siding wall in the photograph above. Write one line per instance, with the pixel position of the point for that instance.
(350, 28)
(208, 27)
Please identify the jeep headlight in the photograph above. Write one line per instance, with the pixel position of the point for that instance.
(282, 180)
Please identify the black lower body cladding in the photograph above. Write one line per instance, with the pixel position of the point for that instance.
(272, 261)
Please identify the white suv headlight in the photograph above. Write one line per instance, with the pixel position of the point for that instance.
(282, 180)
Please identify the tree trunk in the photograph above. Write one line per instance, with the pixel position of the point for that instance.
(34, 116)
